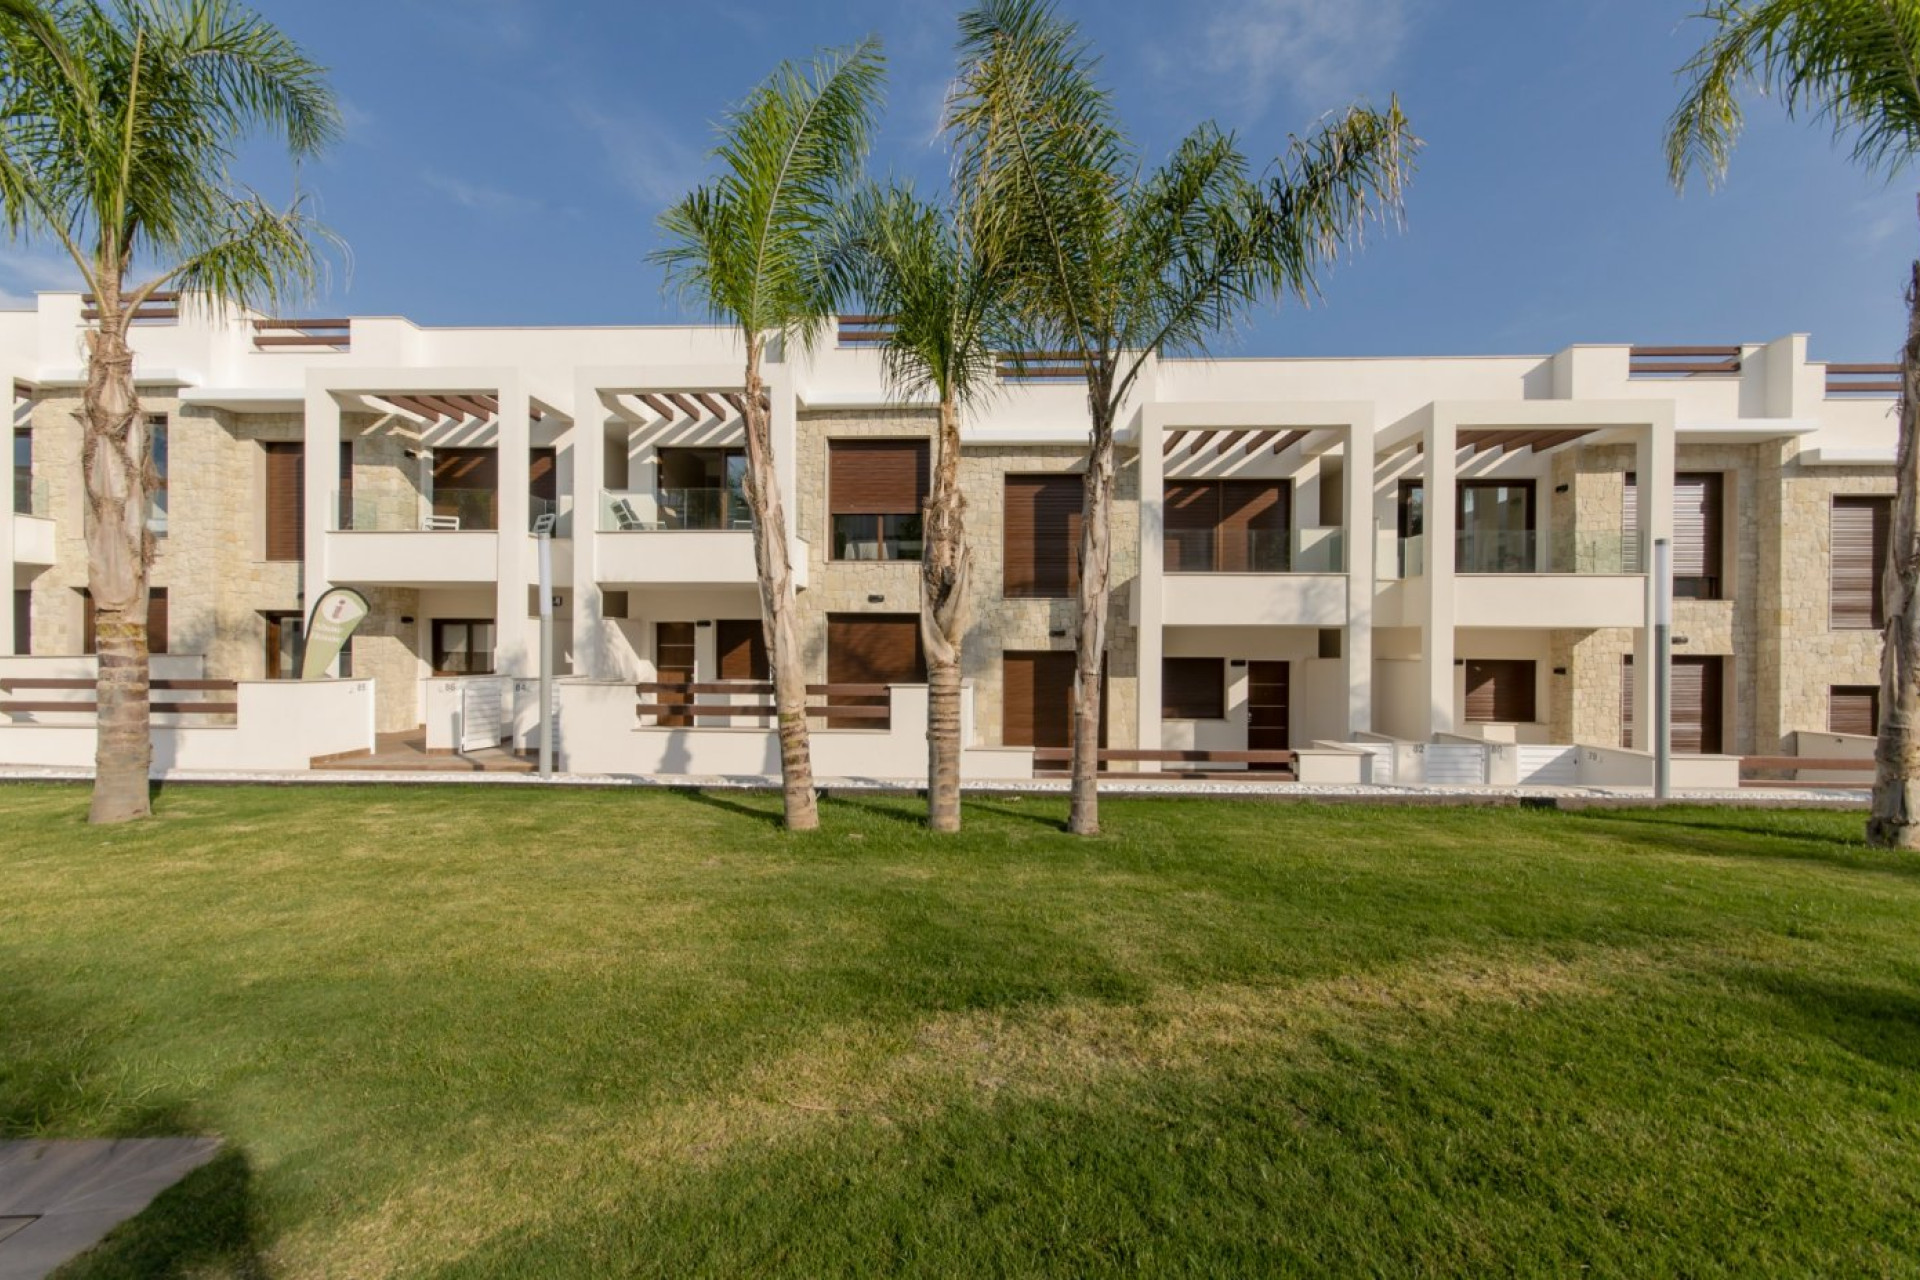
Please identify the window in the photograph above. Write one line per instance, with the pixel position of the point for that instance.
(1228, 526)
(463, 646)
(1699, 521)
(742, 649)
(466, 488)
(1854, 708)
(1495, 529)
(1858, 529)
(702, 489)
(156, 621)
(157, 449)
(1193, 689)
(876, 489)
(543, 482)
(286, 504)
(1042, 536)
(22, 621)
(23, 472)
(1500, 691)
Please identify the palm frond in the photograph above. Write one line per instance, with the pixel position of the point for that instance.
(1854, 64)
(748, 245)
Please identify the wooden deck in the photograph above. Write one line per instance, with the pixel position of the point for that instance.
(406, 752)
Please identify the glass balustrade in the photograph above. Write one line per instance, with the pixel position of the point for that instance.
(667, 510)
(445, 509)
(1256, 551)
(1503, 552)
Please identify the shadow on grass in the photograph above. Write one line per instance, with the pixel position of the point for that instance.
(1879, 1023)
(1014, 812)
(203, 1225)
(1751, 838)
(772, 818)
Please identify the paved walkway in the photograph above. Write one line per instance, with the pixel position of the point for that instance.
(59, 1199)
(1764, 797)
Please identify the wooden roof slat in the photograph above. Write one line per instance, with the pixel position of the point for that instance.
(1289, 440)
(687, 406)
(716, 406)
(1174, 440)
(1260, 440)
(659, 406)
(1228, 439)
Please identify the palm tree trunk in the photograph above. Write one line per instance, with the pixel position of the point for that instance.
(1096, 545)
(1895, 822)
(944, 571)
(119, 549)
(775, 571)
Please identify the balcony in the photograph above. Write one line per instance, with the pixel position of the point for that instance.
(1255, 577)
(1567, 579)
(677, 537)
(406, 538)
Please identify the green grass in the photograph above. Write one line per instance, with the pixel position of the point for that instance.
(484, 1032)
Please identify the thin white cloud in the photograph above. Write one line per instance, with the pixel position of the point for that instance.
(653, 161)
(1312, 54)
(1882, 221)
(479, 196)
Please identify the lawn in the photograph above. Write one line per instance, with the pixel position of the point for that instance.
(483, 1032)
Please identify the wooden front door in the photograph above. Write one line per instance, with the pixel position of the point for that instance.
(871, 648)
(673, 664)
(1269, 695)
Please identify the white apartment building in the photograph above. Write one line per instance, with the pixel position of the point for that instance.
(1316, 555)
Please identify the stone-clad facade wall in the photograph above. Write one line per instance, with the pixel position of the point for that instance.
(1771, 624)
(995, 624)
(212, 560)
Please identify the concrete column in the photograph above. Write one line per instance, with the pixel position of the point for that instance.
(516, 636)
(1149, 602)
(1437, 642)
(321, 460)
(1653, 474)
(592, 652)
(1357, 649)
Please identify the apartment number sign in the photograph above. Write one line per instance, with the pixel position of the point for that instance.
(335, 616)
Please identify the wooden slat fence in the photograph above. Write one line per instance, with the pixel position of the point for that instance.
(178, 707)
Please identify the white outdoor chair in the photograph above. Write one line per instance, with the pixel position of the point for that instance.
(544, 523)
(626, 518)
(436, 522)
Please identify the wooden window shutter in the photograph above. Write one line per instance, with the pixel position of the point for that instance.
(1858, 529)
(871, 648)
(1254, 518)
(1042, 536)
(876, 477)
(1854, 708)
(1696, 705)
(22, 621)
(1500, 691)
(1036, 698)
(543, 473)
(286, 501)
(1193, 688)
(1626, 702)
(1698, 517)
(743, 649)
(1192, 524)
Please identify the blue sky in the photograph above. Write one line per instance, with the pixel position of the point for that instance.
(505, 160)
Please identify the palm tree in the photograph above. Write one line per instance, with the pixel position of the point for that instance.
(1854, 64)
(751, 248)
(118, 125)
(1113, 264)
(913, 263)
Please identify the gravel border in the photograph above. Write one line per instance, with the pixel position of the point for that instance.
(1560, 797)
